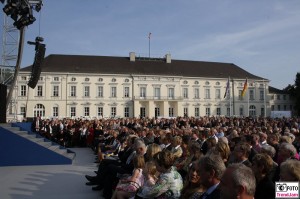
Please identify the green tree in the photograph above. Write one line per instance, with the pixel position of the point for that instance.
(294, 91)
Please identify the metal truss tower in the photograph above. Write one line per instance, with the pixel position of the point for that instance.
(10, 43)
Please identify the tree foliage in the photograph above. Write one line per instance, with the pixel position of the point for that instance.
(294, 91)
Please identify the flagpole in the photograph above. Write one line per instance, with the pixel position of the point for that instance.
(248, 101)
(230, 110)
(149, 43)
(265, 104)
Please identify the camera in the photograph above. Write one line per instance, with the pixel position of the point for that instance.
(281, 187)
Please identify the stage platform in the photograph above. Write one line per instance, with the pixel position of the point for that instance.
(50, 181)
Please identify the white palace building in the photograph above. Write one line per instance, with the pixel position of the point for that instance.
(105, 86)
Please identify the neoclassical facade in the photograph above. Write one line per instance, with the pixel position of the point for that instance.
(103, 86)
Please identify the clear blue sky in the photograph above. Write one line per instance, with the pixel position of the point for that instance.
(262, 37)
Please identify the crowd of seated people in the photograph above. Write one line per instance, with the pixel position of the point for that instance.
(189, 157)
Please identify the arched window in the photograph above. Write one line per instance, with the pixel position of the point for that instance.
(39, 110)
(252, 110)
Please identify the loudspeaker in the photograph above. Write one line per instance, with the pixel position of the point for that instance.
(37, 65)
(3, 95)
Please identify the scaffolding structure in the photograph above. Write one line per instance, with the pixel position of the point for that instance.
(10, 43)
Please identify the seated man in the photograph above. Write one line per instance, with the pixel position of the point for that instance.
(238, 181)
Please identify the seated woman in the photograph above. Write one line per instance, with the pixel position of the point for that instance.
(192, 187)
(128, 186)
(176, 147)
(169, 183)
(152, 149)
(194, 152)
(150, 176)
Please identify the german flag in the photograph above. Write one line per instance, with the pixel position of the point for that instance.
(245, 88)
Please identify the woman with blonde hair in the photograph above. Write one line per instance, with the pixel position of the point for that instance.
(169, 183)
(152, 149)
(224, 151)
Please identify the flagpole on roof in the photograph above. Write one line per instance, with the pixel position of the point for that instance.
(265, 105)
(230, 104)
(149, 37)
(248, 96)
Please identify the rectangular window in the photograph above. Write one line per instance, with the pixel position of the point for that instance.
(185, 112)
(272, 108)
(278, 107)
(142, 112)
(219, 111)
(284, 97)
(197, 112)
(23, 90)
(262, 112)
(207, 111)
(23, 110)
(228, 111)
(171, 93)
(284, 107)
(157, 93)
(291, 107)
(55, 111)
(251, 95)
(39, 91)
(55, 91)
(218, 93)
(86, 91)
(171, 112)
(100, 112)
(73, 111)
(142, 91)
(113, 91)
(261, 95)
(185, 93)
(86, 111)
(126, 112)
(196, 93)
(207, 93)
(278, 97)
(100, 91)
(156, 112)
(113, 111)
(241, 111)
(23, 78)
(73, 91)
(126, 91)
(56, 79)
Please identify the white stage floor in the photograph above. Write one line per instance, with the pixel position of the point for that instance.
(51, 181)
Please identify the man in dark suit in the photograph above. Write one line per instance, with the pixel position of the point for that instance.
(211, 169)
(241, 153)
(238, 181)
(249, 140)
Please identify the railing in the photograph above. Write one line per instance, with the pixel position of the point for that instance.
(158, 98)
